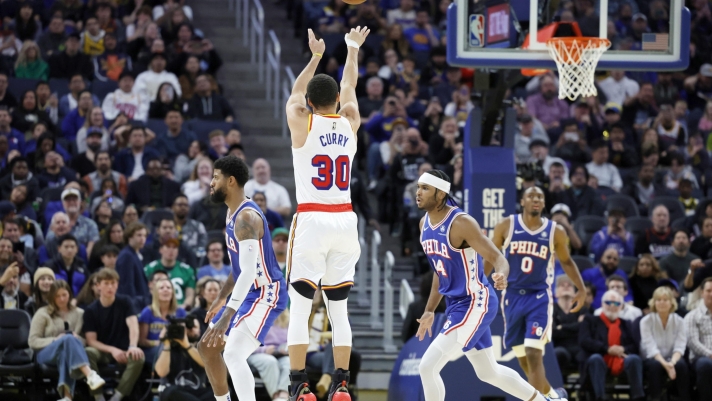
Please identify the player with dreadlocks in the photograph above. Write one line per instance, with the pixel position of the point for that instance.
(455, 247)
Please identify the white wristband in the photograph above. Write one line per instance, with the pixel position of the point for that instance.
(350, 43)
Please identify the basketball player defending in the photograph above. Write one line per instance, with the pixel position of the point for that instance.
(529, 243)
(453, 243)
(259, 291)
(323, 242)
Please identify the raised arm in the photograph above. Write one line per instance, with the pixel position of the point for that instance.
(466, 232)
(498, 238)
(349, 103)
(561, 247)
(297, 111)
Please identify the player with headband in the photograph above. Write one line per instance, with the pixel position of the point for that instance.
(455, 247)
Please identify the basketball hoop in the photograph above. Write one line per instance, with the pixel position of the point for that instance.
(576, 58)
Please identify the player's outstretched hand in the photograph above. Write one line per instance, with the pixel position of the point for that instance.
(579, 301)
(500, 281)
(316, 46)
(358, 34)
(426, 325)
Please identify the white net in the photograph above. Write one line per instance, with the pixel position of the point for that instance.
(576, 58)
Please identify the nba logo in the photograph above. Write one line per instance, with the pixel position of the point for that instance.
(477, 30)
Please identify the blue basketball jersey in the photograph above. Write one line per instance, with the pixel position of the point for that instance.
(461, 271)
(268, 270)
(530, 254)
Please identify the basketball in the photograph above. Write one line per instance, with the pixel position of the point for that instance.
(354, 2)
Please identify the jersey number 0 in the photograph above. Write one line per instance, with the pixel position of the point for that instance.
(332, 172)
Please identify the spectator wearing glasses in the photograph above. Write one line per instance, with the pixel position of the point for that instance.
(663, 342)
(699, 340)
(216, 268)
(55, 336)
(609, 347)
(628, 311)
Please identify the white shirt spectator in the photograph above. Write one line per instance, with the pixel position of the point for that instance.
(656, 339)
(133, 104)
(158, 12)
(618, 87)
(406, 19)
(277, 195)
(607, 175)
(147, 83)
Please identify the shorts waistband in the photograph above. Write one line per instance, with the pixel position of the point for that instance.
(319, 207)
(522, 291)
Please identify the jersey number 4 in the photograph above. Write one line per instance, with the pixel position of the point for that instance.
(332, 172)
(440, 269)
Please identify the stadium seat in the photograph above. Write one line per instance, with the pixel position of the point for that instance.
(103, 88)
(213, 234)
(623, 202)
(673, 205)
(582, 262)
(203, 128)
(152, 218)
(332, 40)
(14, 333)
(679, 224)
(373, 42)
(627, 263)
(60, 86)
(637, 226)
(156, 125)
(587, 226)
(18, 87)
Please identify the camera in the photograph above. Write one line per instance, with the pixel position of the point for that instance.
(175, 330)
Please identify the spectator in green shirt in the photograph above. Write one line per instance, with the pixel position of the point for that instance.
(181, 275)
(29, 63)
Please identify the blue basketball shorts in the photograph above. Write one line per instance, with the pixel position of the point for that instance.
(469, 319)
(528, 319)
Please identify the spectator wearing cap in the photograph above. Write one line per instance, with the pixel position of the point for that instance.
(208, 105)
(643, 190)
(179, 273)
(277, 196)
(599, 167)
(599, 274)
(699, 87)
(545, 106)
(571, 145)
(84, 229)
(656, 240)
(129, 265)
(191, 232)
(70, 101)
(561, 214)
(176, 139)
(152, 190)
(109, 65)
(699, 341)
(617, 87)
(20, 174)
(55, 174)
(678, 262)
(41, 284)
(131, 160)
(524, 136)
(280, 242)
(639, 111)
(689, 203)
(663, 342)
(67, 265)
(620, 153)
(216, 268)
(274, 220)
(51, 41)
(614, 235)
(70, 61)
(148, 82)
(127, 100)
(423, 36)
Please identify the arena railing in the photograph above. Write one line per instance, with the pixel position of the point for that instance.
(406, 298)
(388, 263)
(257, 38)
(375, 281)
(361, 268)
(274, 51)
(287, 84)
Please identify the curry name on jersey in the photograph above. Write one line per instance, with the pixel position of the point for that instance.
(460, 271)
(267, 268)
(530, 254)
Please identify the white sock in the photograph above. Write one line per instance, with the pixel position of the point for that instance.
(553, 394)
(240, 345)
(225, 397)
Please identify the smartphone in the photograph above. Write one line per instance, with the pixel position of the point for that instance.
(571, 136)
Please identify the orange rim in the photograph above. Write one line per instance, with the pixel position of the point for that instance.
(575, 46)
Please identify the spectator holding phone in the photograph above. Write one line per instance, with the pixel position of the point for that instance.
(614, 235)
(154, 317)
(54, 335)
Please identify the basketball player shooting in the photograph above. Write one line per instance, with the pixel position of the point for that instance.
(323, 241)
(530, 243)
(455, 246)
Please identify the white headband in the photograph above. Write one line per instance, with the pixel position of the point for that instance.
(434, 182)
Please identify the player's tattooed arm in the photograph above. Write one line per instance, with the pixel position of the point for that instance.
(498, 238)
(561, 247)
(248, 226)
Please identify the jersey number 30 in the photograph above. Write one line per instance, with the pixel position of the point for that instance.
(332, 172)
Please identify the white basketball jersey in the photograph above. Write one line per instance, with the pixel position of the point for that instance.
(322, 167)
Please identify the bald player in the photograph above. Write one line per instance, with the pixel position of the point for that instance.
(529, 242)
